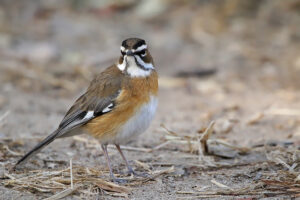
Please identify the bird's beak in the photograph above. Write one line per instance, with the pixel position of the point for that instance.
(129, 53)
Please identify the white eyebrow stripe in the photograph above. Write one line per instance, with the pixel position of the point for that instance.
(144, 46)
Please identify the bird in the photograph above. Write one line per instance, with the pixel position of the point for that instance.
(118, 105)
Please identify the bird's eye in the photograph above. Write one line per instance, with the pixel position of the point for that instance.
(142, 53)
(123, 53)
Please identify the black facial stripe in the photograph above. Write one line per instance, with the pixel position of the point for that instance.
(139, 43)
(141, 52)
(124, 44)
(138, 64)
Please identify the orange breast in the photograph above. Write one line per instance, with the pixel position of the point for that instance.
(135, 93)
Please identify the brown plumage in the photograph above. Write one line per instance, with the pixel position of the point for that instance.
(118, 105)
(135, 93)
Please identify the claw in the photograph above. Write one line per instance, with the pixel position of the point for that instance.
(143, 174)
(118, 180)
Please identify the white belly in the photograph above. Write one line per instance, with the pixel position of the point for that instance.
(138, 123)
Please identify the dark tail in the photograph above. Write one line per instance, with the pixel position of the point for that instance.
(38, 147)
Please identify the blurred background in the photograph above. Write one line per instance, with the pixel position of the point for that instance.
(54, 45)
(236, 62)
(227, 61)
(211, 53)
(224, 61)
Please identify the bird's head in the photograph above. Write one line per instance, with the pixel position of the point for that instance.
(135, 58)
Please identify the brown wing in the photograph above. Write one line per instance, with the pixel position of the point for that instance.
(97, 100)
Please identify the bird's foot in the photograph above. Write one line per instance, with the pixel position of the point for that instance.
(137, 174)
(118, 180)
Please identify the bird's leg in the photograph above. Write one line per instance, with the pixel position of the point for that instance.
(130, 170)
(112, 176)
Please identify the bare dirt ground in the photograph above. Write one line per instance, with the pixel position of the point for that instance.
(233, 63)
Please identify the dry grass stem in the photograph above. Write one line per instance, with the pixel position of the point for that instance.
(160, 146)
(161, 172)
(12, 152)
(143, 165)
(255, 189)
(62, 194)
(203, 140)
(204, 145)
(113, 187)
(168, 131)
(79, 179)
(219, 184)
(255, 118)
(71, 173)
(153, 175)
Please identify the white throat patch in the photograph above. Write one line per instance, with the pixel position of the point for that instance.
(133, 69)
(122, 66)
